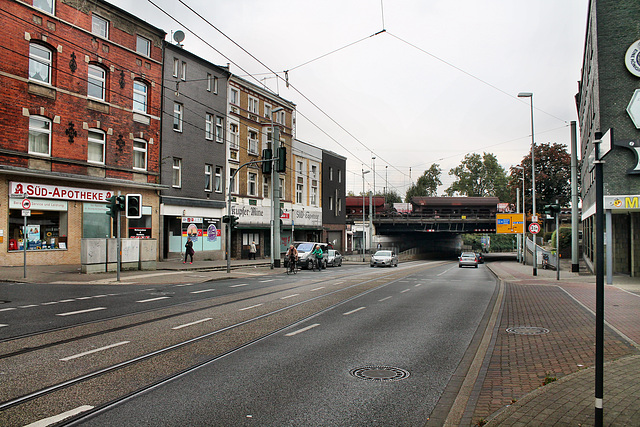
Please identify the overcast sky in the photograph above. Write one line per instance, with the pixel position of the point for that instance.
(441, 82)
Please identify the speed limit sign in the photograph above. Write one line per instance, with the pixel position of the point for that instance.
(534, 228)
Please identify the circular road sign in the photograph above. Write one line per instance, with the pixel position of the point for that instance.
(534, 228)
(26, 203)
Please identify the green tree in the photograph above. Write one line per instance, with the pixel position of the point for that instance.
(392, 197)
(553, 176)
(479, 176)
(427, 184)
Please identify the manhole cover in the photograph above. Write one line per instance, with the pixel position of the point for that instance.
(528, 330)
(380, 373)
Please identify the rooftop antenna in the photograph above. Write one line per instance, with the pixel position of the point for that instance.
(178, 36)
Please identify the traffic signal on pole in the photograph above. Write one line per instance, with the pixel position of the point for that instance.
(281, 163)
(112, 207)
(120, 202)
(233, 221)
(225, 219)
(133, 206)
(552, 209)
(267, 154)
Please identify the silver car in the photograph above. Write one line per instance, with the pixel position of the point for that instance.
(384, 259)
(334, 258)
(469, 259)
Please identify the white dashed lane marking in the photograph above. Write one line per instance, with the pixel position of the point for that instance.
(152, 299)
(299, 331)
(95, 350)
(192, 323)
(89, 310)
(250, 307)
(353, 311)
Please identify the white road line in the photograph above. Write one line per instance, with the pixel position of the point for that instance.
(8, 309)
(353, 311)
(67, 300)
(71, 313)
(152, 299)
(102, 296)
(384, 299)
(28, 306)
(192, 323)
(95, 350)
(185, 284)
(83, 298)
(317, 289)
(50, 303)
(419, 284)
(306, 328)
(265, 281)
(237, 286)
(57, 418)
(290, 296)
(250, 307)
(199, 292)
(338, 283)
(406, 290)
(2, 325)
(444, 271)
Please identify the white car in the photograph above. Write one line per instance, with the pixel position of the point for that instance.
(384, 259)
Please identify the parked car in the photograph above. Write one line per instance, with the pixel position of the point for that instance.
(469, 259)
(480, 257)
(304, 253)
(384, 258)
(334, 258)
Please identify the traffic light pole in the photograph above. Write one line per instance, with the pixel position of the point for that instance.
(118, 244)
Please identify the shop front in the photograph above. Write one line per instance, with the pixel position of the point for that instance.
(201, 225)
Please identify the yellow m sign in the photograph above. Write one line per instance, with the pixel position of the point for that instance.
(631, 202)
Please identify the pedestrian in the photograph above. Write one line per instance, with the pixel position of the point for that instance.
(188, 251)
(253, 250)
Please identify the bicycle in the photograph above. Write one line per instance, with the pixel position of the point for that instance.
(315, 265)
(292, 267)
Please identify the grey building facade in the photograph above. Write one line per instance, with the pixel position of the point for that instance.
(334, 167)
(609, 99)
(193, 154)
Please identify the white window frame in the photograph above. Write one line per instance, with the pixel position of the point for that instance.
(208, 126)
(140, 96)
(252, 183)
(209, 82)
(145, 47)
(215, 85)
(219, 129)
(339, 207)
(265, 186)
(254, 105)
(43, 128)
(280, 117)
(208, 177)
(217, 183)
(39, 63)
(314, 193)
(330, 173)
(41, 4)
(252, 143)
(176, 174)
(234, 96)
(330, 203)
(183, 75)
(96, 78)
(140, 147)
(233, 183)
(267, 111)
(299, 190)
(178, 112)
(282, 188)
(339, 176)
(176, 67)
(314, 172)
(234, 135)
(96, 138)
(100, 26)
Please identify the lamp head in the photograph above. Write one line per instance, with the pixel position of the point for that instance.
(525, 95)
(275, 110)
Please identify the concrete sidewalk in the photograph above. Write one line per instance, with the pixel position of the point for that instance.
(545, 333)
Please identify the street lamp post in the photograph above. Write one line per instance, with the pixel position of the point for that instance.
(364, 241)
(275, 194)
(533, 180)
(524, 216)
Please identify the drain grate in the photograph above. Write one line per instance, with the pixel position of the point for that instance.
(380, 373)
(528, 330)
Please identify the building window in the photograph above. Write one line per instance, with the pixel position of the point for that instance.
(95, 147)
(219, 129)
(177, 117)
(40, 63)
(299, 190)
(176, 175)
(217, 184)
(340, 176)
(176, 67)
(39, 136)
(330, 174)
(267, 111)
(45, 5)
(299, 167)
(252, 184)
(280, 116)
(215, 85)
(233, 183)
(234, 97)
(253, 105)
(252, 146)
(209, 82)
(265, 186)
(233, 136)
(314, 172)
(314, 193)
(140, 154)
(140, 93)
(184, 71)
(339, 208)
(96, 82)
(208, 177)
(100, 26)
(143, 46)
(330, 203)
(208, 126)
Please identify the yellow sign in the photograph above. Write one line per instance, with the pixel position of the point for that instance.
(509, 223)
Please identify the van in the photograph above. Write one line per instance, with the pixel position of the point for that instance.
(304, 253)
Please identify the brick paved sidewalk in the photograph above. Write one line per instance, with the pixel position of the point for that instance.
(518, 364)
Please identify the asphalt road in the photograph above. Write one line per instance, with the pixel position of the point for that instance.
(302, 375)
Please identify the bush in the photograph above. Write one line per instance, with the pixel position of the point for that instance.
(565, 241)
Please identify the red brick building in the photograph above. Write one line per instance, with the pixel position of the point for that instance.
(81, 87)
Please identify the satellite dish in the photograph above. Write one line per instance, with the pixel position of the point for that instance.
(178, 36)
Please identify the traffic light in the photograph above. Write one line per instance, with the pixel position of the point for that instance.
(225, 219)
(133, 206)
(112, 207)
(267, 154)
(233, 221)
(120, 202)
(281, 163)
(552, 209)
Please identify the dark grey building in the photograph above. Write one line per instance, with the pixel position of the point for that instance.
(334, 168)
(609, 98)
(193, 154)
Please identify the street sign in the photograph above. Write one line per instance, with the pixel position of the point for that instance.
(26, 204)
(605, 145)
(284, 215)
(534, 218)
(509, 223)
(26, 212)
(534, 228)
